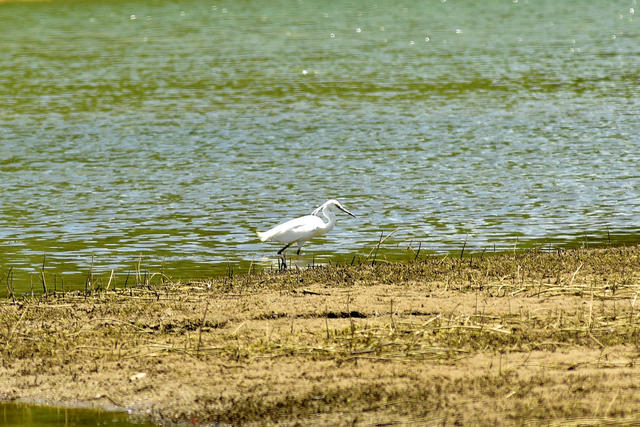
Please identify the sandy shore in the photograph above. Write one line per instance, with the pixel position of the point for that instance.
(501, 339)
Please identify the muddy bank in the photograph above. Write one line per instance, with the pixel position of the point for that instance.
(502, 339)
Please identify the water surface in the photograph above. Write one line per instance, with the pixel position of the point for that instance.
(21, 415)
(167, 133)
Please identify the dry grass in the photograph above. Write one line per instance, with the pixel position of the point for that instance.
(503, 339)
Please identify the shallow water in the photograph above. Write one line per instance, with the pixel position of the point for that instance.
(166, 133)
(21, 415)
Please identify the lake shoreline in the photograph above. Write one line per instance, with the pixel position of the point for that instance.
(488, 339)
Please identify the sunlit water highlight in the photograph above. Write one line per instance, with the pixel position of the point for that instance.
(167, 133)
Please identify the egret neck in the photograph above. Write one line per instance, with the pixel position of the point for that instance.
(331, 220)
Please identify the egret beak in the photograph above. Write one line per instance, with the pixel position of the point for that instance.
(345, 211)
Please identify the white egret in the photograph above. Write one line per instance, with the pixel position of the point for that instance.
(304, 228)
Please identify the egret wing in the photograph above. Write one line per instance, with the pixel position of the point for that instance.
(302, 228)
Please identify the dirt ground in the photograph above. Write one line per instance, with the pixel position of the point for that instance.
(511, 339)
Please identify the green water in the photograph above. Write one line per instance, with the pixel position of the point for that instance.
(166, 133)
(21, 415)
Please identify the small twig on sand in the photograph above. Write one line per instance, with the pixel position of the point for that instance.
(381, 240)
(110, 279)
(464, 245)
(89, 281)
(44, 282)
(10, 284)
(204, 318)
(574, 274)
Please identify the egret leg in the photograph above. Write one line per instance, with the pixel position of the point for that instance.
(283, 249)
(299, 249)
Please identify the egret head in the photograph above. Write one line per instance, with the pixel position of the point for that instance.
(333, 203)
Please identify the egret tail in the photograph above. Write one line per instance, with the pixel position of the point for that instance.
(263, 236)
